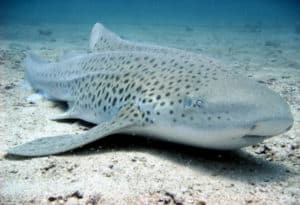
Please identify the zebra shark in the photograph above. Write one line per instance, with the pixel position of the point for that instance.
(160, 92)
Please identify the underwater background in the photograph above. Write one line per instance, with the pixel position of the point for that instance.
(176, 12)
(259, 39)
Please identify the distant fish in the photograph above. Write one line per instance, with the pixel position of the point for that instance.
(45, 32)
(154, 91)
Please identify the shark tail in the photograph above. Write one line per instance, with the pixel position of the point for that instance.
(33, 59)
(32, 63)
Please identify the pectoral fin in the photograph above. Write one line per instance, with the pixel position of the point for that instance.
(62, 143)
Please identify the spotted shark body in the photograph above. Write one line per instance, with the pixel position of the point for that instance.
(166, 93)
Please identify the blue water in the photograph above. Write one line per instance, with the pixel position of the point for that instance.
(175, 12)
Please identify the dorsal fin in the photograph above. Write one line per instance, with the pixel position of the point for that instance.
(102, 39)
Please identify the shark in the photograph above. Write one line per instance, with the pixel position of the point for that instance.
(165, 93)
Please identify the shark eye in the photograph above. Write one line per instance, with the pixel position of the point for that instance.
(193, 102)
(199, 103)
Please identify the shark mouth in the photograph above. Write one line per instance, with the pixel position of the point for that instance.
(254, 139)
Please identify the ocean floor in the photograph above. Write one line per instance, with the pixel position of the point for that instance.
(135, 170)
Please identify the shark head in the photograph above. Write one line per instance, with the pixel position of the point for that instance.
(226, 113)
(232, 114)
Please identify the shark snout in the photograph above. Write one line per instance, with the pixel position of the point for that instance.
(271, 127)
(274, 118)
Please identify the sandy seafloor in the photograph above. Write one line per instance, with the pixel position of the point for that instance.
(135, 170)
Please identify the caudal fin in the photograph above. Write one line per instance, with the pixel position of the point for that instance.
(32, 63)
(33, 58)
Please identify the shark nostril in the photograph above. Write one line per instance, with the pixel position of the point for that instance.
(253, 127)
(287, 129)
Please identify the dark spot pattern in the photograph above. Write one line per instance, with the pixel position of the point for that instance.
(155, 82)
